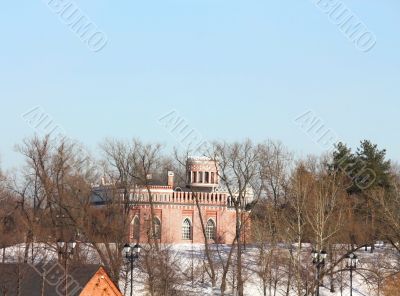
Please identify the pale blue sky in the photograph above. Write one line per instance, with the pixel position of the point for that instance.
(233, 69)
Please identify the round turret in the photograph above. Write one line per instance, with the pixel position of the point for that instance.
(202, 173)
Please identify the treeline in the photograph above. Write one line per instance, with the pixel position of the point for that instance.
(339, 202)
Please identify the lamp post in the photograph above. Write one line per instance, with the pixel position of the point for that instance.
(132, 253)
(319, 262)
(65, 250)
(352, 261)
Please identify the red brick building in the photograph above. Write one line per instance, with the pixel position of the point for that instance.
(177, 218)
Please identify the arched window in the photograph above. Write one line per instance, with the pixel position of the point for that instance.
(186, 229)
(157, 228)
(136, 228)
(210, 229)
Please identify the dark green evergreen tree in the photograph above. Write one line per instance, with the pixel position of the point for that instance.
(374, 167)
(366, 169)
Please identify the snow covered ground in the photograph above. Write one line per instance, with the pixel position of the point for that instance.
(187, 258)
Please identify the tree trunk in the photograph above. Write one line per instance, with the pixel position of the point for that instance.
(239, 254)
(28, 240)
(226, 269)
(206, 245)
(289, 277)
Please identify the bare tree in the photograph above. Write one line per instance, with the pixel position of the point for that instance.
(12, 226)
(238, 170)
(164, 275)
(294, 224)
(129, 167)
(275, 163)
(59, 184)
(210, 267)
(325, 211)
(271, 258)
(388, 204)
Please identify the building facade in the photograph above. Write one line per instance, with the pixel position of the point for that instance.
(176, 210)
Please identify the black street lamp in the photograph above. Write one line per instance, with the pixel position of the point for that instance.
(352, 261)
(132, 253)
(65, 250)
(319, 262)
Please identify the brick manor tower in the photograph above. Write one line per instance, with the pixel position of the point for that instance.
(177, 219)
